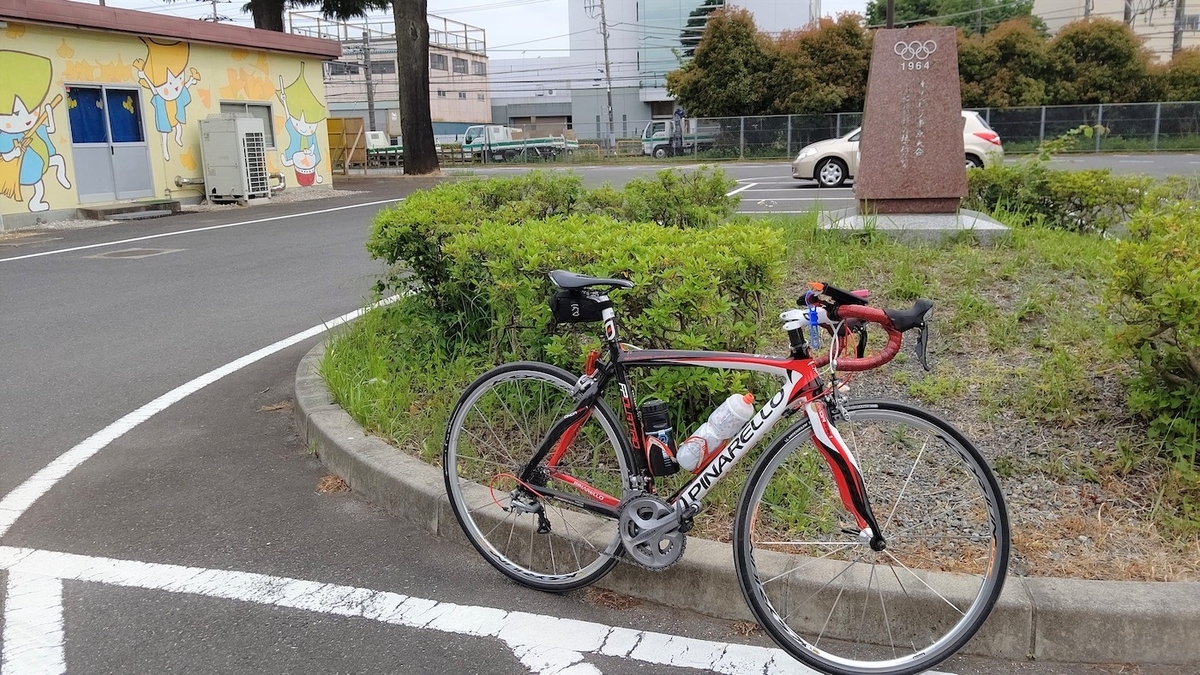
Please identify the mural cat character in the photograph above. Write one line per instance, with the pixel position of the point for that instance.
(304, 112)
(26, 122)
(162, 73)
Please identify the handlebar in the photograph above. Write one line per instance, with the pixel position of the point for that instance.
(894, 322)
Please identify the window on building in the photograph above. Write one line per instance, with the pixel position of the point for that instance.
(383, 67)
(462, 94)
(479, 96)
(342, 68)
(260, 110)
(442, 93)
(438, 62)
(478, 68)
(460, 65)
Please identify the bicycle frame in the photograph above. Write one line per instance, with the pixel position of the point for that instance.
(800, 388)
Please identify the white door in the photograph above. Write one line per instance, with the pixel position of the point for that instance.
(108, 143)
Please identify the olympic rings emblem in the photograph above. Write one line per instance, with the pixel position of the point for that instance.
(915, 50)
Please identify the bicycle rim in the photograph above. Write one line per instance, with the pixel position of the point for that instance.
(495, 429)
(815, 584)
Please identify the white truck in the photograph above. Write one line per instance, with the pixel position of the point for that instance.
(498, 143)
(666, 138)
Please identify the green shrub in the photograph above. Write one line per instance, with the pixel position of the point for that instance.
(410, 237)
(1088, 201)
(1155, 288)
(697, 289)
(680, 199)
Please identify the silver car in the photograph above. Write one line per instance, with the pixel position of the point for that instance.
(835, 161)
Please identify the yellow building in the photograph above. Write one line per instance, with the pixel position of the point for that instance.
(100, 105)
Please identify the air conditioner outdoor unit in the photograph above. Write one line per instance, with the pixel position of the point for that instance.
(234, 152)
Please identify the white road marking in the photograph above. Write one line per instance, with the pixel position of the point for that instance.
(547, 645)
(24, 495)
(744, 187)
(33, 625)
(194, 230)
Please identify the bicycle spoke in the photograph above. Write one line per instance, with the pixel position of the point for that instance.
(943, 516)
(496, 429)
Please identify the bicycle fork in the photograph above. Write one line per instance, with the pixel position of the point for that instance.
(846, 474)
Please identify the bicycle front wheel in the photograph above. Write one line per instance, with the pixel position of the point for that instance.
(535, 539)
(818, 588)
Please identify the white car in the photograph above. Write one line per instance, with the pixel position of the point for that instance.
(833, 162)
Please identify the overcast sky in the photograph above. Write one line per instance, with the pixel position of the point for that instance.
(535, 27)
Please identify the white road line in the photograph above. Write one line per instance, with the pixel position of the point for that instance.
(744, 187)
(546, 645)
(20, 499)
(33, 625)
(198, 229)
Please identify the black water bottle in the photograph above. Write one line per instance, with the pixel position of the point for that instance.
(660, 438)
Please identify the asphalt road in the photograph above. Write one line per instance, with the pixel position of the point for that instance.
(191, 538)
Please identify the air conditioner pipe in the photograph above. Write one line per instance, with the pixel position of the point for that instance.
(278, 175)
(184, 182)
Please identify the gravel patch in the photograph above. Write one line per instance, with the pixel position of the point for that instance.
(75, 224)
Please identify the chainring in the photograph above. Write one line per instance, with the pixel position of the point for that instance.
(650, 530)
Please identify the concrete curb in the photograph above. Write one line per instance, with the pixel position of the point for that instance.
(1060, 620)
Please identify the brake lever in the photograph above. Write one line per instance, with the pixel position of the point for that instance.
(923, 340)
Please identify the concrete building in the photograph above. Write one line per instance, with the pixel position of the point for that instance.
(101, 105)
(1153, 20)
(458, 71)
(644, 44)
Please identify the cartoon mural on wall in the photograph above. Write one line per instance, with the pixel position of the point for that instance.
(26, 122)
(304, 111)
(162, 73)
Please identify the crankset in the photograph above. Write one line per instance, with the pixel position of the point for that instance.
(651, 531)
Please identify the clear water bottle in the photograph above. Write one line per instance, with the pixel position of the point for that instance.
(722, 423)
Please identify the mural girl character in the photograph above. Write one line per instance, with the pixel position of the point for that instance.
(304, 112)
(26, 122)
(162, 73)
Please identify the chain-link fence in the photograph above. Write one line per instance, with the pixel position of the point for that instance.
(1145, 127)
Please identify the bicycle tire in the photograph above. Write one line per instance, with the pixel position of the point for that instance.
(817, 587)
(494, 430)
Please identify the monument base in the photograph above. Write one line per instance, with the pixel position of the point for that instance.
(947, 205)
(923, 227)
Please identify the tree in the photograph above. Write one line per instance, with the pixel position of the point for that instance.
(412, 58)
(731, 70)
(268, 14)
(973, 16)
(1099, 61)
(822, 68)
(1008, 67)
(1181, 80)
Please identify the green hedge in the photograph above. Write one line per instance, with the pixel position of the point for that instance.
(480, 252)
(1087, 201)
(1155, 289)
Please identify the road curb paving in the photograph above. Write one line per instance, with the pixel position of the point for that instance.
(1048, 619)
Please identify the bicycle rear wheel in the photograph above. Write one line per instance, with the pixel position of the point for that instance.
(496, 428)
(816, 585)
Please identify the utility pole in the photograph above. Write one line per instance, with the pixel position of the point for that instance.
(607, 74)
(370, 84)
(979, 16)
(1177, 40)
(891, 13)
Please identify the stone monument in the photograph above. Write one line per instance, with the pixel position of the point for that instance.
(911, 150)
